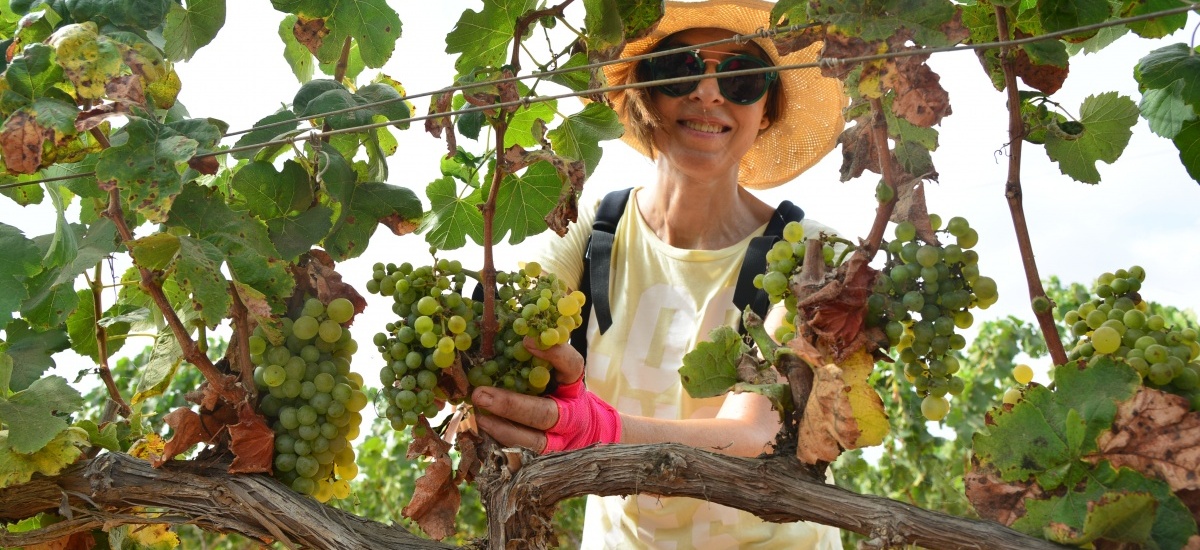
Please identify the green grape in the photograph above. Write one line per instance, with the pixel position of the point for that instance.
(427, 305)
(340, 310)
(905, 231)
(539, 377)
(257, 345)
(935, 407)
(793, 232)
(1022, 373)
(330, 331)
(274, 375)
(313, 308)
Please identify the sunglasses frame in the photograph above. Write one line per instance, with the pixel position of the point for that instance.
(647, 67)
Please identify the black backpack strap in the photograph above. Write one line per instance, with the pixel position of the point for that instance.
(755, 263)
(594, 283)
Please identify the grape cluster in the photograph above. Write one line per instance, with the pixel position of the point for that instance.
(438, 328)
(435, 323)
(311, 398)
(925, 293)
(783, 261)
(1114, 323)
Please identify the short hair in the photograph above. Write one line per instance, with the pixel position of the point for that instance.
(643, 119)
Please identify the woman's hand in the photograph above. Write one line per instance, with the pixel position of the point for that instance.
(570, 418)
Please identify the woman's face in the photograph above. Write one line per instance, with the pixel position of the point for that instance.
(702, 133)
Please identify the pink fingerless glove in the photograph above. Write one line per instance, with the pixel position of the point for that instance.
(583, 419)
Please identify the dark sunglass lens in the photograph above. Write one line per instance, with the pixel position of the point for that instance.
(674, 65)
(743, 89)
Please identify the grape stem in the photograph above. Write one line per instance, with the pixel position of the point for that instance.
(97, 287)
(758, 332)
(1013, 193)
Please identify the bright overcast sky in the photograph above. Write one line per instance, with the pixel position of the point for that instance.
(1143, 212)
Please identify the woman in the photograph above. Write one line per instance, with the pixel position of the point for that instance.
(676, 255)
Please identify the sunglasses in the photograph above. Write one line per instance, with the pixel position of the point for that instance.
(741, 89)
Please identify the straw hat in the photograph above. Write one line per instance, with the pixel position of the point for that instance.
(811, 118)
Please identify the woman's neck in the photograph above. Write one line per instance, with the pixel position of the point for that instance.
(701, 214)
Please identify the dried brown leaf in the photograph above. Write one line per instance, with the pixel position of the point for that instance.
(994, 498)
(911, 207)
(839, 46)
(431, 444)
(435, 500)
(1191, 499)
(798, 40)
(21, 140)
(399, 225)
(828, 420)
(189, 429)
(859, 153)
(252, 442)
(919, 95)
(75, 541)
(96, 116)
(453, 380)
(835, 312)
(468, 444)
(126, 89)
(310, 31)
(1154, 433)
(206, 165)
(441, 103)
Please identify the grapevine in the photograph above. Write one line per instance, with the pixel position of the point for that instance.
(312, 398)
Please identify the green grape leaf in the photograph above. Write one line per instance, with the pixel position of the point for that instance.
(138, 14)
(156, 376)
(1108, 121)
(463, 166)
(311, 90)
(49, 303)
(880, 21)
(1049, 52)
(363, 206)
(262, 135)
(271, 194)
(22, 259)
(88, 59)
(295, 235)
(524, 201)
(602, 19)
(1157, 27)
(31, 351)
(1059, 15)
(578, 79)
(521, 127)
(711, 369)
(81, 327)
(26, 194)
(147, 166)
(452, 218)
(6, 372)
(1103, 39)
(354, 64)
(244, 240)
(1188, 143)
(1045, 434)
(156, 251)
(34, 73)
(198, 272)
(35, 414)
(62, 451)
(82, 186)
(52, 292)
(64, 242)
(191, 28)
(297, 56)
(1094, 510)
(106, 437)
(793, 11)
(482, 37)
(372, 23)
(1162, 68)
(396, 109)
(579, 136)
(335, 100)
(1165, 110)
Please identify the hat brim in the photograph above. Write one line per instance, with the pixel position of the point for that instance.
(807, 127)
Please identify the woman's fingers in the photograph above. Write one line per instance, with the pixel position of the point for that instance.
(511, 434)
(539, 413)
(567, 363)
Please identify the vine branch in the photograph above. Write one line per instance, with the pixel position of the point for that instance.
(97, 287)
(1014, 195)
(883, 212)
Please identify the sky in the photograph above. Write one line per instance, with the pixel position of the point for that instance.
(1143, 212)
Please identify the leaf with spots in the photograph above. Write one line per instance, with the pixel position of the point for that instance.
(34, 73)
(1155, 433)
(34, 415)
(297, 56)
(360, 207)
(31, 351)
(243, 240)
(156, 376)
(482, 37)
(373, 24)
(198, 271)
(452, 218)
(1047, 433)
(155, 251)
(88, 58)
(147, 168)
(49, 303)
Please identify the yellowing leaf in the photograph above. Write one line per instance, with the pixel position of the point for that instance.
(88, 59)
(153, 537)
(843, 411)
(17, 468)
